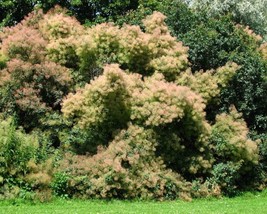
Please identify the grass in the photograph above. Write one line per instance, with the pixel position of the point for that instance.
(255, 203)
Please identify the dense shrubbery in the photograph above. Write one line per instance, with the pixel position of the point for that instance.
(128, 168)
(130, 107)
(25, 167)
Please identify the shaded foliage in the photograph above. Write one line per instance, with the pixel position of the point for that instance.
(12, 12)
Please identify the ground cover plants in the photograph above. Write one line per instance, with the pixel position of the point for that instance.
(129, 112)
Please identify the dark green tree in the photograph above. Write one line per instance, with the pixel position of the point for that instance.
(12, 12)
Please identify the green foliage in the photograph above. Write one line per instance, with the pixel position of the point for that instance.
(246, 12)
(26, 165)
(16, 151)
(92, 11)
(229, 145)
(180, 18)
(263, 160)
(13, 12)
(134, 17)
(236, 155)
(247, 91)
(226, 175)
(3, 61)
(60, 184)
(213, 42)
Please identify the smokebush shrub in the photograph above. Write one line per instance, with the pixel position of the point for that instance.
(31, 85)
(134, 114)
(185, 141)
(228, 144)
(156, 101)
(236, 154)
(127, 169)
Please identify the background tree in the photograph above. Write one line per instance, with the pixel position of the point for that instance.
(246, 12)
(12, 12)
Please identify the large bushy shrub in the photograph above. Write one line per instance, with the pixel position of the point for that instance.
(235, 154)
(136, 114)
(174, 113)
(214, 37)
(127, 169)
(31, 85)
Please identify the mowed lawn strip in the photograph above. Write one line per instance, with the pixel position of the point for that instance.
(248, 203)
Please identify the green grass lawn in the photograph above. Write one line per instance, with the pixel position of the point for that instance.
(248, 203)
